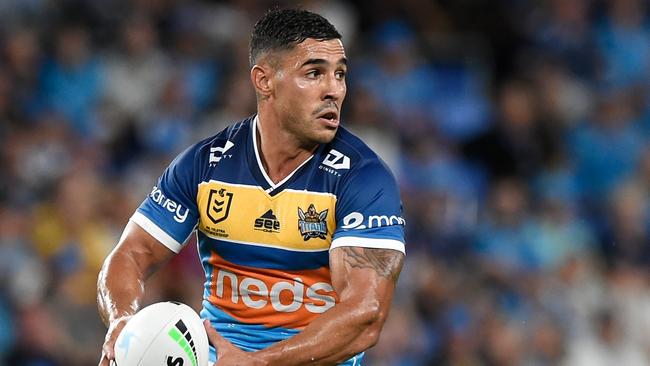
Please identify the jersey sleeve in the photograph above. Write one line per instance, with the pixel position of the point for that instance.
(369, 210)
(169, 213)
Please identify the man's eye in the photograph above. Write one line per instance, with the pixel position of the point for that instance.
(312, 73)
(340, 74)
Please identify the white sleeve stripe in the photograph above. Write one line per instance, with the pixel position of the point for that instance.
(356, 241)
(155, 231)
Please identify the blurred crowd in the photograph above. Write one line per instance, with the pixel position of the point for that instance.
(518, 131)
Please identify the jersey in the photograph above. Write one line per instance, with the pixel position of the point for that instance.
(264, 246)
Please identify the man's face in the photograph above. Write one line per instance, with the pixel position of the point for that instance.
(309, 89)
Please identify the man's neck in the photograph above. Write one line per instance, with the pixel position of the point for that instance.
(280, 152)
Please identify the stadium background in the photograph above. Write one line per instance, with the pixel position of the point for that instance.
(518, 131)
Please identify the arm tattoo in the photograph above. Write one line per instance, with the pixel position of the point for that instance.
(386, 262)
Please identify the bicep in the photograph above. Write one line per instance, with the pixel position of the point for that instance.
(140, 247)
(365, 274)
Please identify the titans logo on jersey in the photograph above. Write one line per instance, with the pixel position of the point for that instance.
(265, 246)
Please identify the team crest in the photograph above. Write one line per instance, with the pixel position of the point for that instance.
(312, 223)
(218, 205)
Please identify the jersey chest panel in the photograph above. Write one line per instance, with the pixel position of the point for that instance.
(292, 220)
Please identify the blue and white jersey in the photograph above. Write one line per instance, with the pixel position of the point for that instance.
(265, 246)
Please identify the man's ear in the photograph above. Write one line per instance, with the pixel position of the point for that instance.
(262, 81)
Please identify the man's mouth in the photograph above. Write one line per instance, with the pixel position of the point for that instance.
(330, 119)
(331, 116)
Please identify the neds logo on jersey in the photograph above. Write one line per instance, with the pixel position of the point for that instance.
(171, 206)
(285, 296)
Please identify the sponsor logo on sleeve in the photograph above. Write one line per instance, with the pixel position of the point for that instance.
(218, 153)
(312, 223)
(356, 220)
(335, 161)
(171, 206)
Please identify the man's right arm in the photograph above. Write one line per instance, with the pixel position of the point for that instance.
(120, 286)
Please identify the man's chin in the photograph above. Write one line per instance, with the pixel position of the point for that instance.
(325, 137)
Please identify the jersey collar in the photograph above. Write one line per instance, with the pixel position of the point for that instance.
(270, 187)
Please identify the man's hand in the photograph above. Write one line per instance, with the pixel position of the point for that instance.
(108, 349)
(227, 353)
(120, 284)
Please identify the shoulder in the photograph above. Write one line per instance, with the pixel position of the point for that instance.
(209, 150)
(347, 151)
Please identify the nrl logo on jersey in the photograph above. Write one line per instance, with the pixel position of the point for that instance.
(219, 202)
(312, 223)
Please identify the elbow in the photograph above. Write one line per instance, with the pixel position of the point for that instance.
(374, 317)
(375, 313)
(369, 339)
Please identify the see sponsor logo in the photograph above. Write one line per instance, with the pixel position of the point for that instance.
(267, 223)
(356, 220)
(171, 206)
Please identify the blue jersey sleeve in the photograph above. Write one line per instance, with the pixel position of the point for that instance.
(369, 210)
(169, 213)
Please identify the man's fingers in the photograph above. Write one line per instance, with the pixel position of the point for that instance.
(218, 341)
(109, 351)
(107, 356)
(215, 338)
(106, 360)
(103, 361)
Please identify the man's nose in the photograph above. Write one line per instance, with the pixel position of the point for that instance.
(334, 88)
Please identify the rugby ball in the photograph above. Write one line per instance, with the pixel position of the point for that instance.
(163, 334)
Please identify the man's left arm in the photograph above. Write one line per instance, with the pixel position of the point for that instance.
(364, 279)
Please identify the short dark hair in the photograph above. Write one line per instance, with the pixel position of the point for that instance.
(283, 29)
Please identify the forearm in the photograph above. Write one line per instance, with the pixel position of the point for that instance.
(336, 335)
(120, 287)
(365, 280)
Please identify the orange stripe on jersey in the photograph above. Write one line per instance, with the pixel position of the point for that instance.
(274, 298)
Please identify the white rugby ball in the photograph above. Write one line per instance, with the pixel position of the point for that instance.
(163, 334)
